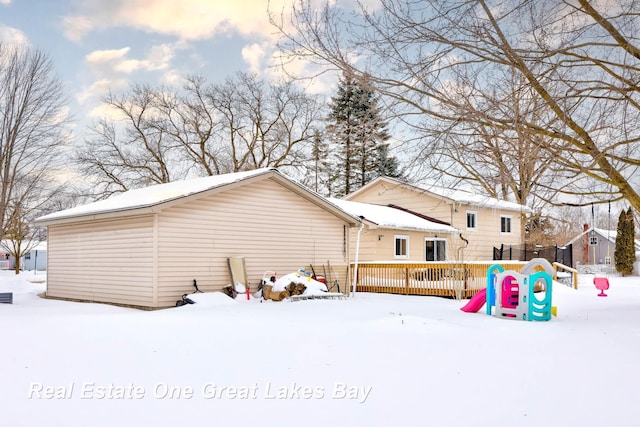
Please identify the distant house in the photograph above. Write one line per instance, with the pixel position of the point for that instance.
(596, 247)
(36, 258)
(390, 233)
(144, 247)
(483, 222)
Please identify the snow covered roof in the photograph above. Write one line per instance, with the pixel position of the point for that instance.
(390, 217)
(162, 193)
(475, 199)
(456, 195)
(609, 235)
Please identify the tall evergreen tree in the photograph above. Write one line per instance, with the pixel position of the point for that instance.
(625, 253)
(321, 166)
(386, 165)
(356, 127)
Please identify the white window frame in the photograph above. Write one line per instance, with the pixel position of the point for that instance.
(395, 246)
(475, 220)
(436, 239)
(510, 218)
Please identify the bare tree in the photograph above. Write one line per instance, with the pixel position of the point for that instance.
(18, 239)
(32, 130)
(133, 150)
(201, 129)
(191, 121)
(439, 62)
(264, 124)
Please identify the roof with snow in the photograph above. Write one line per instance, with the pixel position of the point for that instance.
(476, 199)
(609, 235)
(159, 194)
(391, 217)
(455, 195)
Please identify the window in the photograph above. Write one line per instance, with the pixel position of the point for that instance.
(435, 249)
(471, 220)
(593, 240)
(505, 224)
(402, 246)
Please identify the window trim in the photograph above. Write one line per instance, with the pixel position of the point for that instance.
(436, 239)
(475, 220)
(510, 218)
(397, 237)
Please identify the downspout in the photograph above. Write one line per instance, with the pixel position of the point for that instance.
(462, 248)
(355, 264)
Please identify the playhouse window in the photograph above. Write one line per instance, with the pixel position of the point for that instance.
(472, 220)
(401, 246)
(505, 224)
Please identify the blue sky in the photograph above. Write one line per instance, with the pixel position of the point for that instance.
(98, 45)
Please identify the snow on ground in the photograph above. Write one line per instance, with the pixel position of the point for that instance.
(371, 360)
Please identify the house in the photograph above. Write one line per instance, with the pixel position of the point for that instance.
(36, 258)
(144, 247)
(596, 247)
(393, 233)
(483, 222)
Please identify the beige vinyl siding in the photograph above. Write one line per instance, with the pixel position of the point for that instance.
(273, 228)
(104, 261)
(378, 244)
(481, 240)
(384, 193)
(487, 233)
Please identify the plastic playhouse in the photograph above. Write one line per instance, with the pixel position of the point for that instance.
(512, 295)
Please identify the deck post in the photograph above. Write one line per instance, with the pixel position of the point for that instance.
(406, 280)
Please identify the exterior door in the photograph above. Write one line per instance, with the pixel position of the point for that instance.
(435, 249)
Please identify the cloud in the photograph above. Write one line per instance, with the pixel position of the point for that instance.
(116, 60)
(106, 111)
(98, 89)
(253, 55)
(76, 27)
(172, 77)
(159, 58)
(5, 1)
(99, 56)
(12, 35)
(315, 78)
(111, 69)
(186, 19)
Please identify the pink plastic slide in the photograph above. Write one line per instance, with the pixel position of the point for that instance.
(476, 302)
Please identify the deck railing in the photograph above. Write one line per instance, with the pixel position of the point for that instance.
(566, 275)
(448, 279)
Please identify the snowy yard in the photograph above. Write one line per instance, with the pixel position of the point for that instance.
(372, 360)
